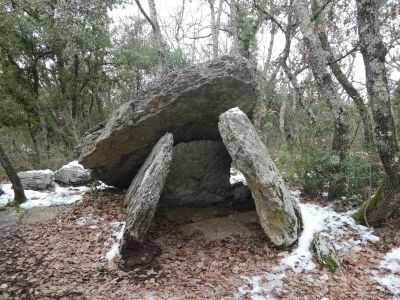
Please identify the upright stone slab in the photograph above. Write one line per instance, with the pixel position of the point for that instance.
(199, 175)
(186, 103)
(279, 214)
(143, 194)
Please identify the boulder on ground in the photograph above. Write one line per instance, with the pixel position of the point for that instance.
(72, 174)
(36, 180)
(325, 252)
(279, 214)
(198, 176)
(143, 195)
(186, 103)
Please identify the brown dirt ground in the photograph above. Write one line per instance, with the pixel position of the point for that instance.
(59, 259)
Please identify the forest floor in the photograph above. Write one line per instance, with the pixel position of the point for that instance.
(64, 257)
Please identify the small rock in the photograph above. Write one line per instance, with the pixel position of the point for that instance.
(356, 249)
(3, 286)
(36, 180)
(324, 277)
(73, 174)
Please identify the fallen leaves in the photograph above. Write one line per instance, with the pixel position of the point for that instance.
(61, 259)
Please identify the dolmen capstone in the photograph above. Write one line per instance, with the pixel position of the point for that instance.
(166, 148)
(186, 103)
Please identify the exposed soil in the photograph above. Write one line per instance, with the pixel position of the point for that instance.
(60, 259)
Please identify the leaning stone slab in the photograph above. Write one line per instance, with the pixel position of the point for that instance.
(143, 195)
(199, 175)
(73, 174)
(279, 214)
(36, 180)
(186, 103)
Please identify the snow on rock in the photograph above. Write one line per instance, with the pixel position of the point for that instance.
(236, 110)
(391, 262)
(115, 241)
(58, 196)
(73, 173)
(338, 226)
(236, 176)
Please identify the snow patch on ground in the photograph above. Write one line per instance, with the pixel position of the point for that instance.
(390, 262)
(89, 220)
(58, 196)
(115, 241)
(337, 226)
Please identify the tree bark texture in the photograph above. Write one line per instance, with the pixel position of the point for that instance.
(315, 57)
(381, 206)
(19, 195)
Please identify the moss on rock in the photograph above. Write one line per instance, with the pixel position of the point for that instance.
(359, 215)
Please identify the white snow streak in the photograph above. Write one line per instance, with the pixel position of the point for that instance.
(338, 226)
(58, 196)
(115, 241)
(390, 262)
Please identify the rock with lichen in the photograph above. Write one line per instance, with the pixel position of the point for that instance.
(186, 103)
(279, 214)
(325, 252)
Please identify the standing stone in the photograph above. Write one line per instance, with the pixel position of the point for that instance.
(279, 214)
(186, 103)
(143, 195)
(199, 175)
(36, 180)
(72, 174)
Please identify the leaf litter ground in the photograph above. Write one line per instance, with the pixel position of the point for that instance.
(65, 258)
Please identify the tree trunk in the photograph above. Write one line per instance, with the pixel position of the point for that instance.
(153, 20)
(282, 111)
(234, 29)
(19, 195)
(315, 57)
(381, 206)
(341, 77)
(158, 35)
(39, 111)
(75, 89)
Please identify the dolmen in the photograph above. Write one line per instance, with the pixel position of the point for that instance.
(174, 146)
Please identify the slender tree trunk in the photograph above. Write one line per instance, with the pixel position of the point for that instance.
(282, 111)
(39, 111)
(234, 28)
(75, 89)
(381, 206)
(19, 195)
(213, 30)
(215, 26)
(315, 57)
(341, 77)
(153, 20)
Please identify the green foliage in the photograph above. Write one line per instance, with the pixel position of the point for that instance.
(315, 169)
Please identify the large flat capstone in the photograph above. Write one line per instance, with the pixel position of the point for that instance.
(186, 103)
(279, 214)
